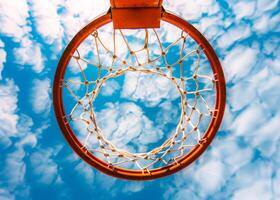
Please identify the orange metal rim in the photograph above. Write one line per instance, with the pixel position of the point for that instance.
(139, 174)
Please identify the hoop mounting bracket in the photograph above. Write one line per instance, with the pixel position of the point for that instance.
(136, 14)
(131, 18)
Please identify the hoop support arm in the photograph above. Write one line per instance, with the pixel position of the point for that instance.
(127, 14)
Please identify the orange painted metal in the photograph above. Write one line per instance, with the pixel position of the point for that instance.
(136, 14)
(139, 174)
(129, 18)
(135, 4)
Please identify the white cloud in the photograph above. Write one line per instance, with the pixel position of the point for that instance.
(258, 190)
(86, 9)
(29, 53)
(22, 134)
(44, 166)
(15, 168)
(29, 140)
(110, 87)
(13, 173)
(266, 23)
(150, 89)
(183, 193)
(47, 20)
(244, 9)
(265, 138)
(107, 183)
(75, 86)
(207, 176)
(169, 113)
(6, 195)
(239, 62)
(250, 119)
(211, 27)
(257, 172)
(227, 119)
(259, 12)
(275, 65)
(3, 56)
(261, 24)
(77, 14)
(245, 89)
(276, 182)
(86, 171)
(133, 187)
(2, 45)
(269, 92)
(210, 177)
(272, 48)
(40, 96)
(13, 18)
(193, 9)
(234, 35)
(264, 6)
(232, 154)
(126, 122)
(8, 111)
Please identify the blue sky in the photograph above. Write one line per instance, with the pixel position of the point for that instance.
(243, 160)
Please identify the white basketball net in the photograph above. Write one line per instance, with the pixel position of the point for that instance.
(197, 102)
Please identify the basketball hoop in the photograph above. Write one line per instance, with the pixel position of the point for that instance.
(105, 49)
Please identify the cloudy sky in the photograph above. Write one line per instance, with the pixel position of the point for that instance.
(243, 160)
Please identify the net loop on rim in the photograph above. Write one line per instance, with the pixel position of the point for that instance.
(187, 134)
